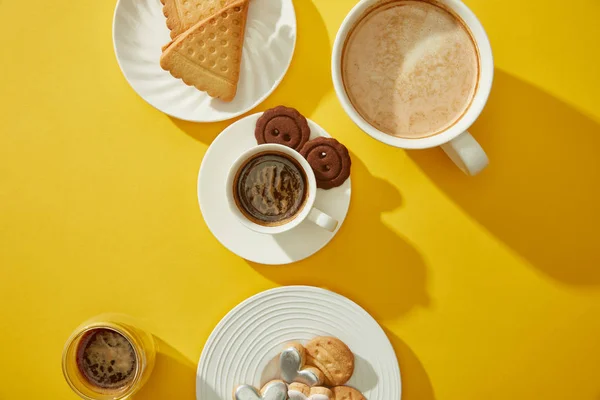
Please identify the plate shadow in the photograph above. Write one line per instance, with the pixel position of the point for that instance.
(416, 384)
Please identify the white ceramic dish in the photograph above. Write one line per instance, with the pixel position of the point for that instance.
(294, 245)
(243, 348)
(140, 31)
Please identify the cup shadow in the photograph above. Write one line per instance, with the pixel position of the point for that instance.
(307, 80)
(539, 195)
(173, 377)
(366, 261)
(416, 384)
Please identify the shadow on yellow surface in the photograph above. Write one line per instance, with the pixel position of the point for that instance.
(415, 380)
(204, 133)
(174, 376)
(366, 261)
(308, 79)
(540, 194)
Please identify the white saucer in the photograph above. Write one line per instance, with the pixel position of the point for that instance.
(140, 31)
(243, 347)
(285, 248)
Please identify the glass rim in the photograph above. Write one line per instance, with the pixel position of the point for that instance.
(78, 334)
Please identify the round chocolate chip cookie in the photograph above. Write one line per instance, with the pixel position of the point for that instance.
(346, 393)
(332, 357)
(329, 160)
(282, 125)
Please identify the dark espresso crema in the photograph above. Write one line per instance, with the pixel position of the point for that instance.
(410, 68)
(107, 360)
(270, 189)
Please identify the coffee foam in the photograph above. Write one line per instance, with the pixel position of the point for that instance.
(410, 68)
(107, 360)
(270, 189)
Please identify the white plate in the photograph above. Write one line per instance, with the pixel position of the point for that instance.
(140, 31)
(297, 244)
(244, 346)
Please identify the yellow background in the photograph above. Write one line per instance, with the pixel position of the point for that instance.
(489, 287)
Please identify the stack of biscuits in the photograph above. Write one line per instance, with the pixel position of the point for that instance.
(206, 46)
(318, 370)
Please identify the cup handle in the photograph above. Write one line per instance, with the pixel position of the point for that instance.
(467, 154)
(323, 220)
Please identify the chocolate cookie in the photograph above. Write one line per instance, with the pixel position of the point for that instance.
(329, 160)
(282, 125)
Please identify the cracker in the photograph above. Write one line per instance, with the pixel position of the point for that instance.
(208, 55)
(183, 14)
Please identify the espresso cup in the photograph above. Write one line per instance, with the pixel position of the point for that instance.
(306, 211)
(455, 139)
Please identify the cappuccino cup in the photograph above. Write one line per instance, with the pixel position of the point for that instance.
(415, 74)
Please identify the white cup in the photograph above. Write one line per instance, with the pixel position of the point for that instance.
(308, 210)
(456, 141)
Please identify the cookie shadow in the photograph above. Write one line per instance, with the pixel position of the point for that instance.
(173, 377)
(366, 261)
(539, 195)
(306, 82)
(416, 384)
(271, 371)
(368, 376)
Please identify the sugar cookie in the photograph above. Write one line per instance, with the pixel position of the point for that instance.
(346, 393)
(332, 357)
(300, 387)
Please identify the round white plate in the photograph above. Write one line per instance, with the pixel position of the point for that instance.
(297, 244)
(243, 348)
(140, 31)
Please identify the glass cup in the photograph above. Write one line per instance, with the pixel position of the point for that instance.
(143, 345)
